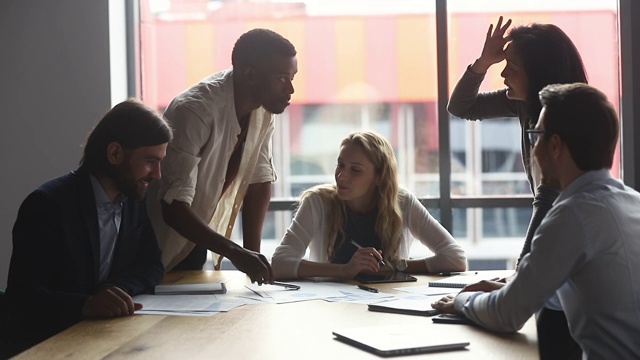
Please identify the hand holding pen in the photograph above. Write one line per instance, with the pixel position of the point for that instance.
(380, 261)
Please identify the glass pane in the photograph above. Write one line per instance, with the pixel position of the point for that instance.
(486, 156)
(486, 234)
(426, 149)
(505, 223)
(315, 134)
(491, 233)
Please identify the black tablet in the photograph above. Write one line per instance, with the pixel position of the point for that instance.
(450, 319)
(385, 278)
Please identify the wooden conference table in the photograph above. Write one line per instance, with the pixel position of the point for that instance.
(300, 330)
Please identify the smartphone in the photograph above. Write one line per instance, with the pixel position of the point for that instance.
(384, 277)
(450, 319)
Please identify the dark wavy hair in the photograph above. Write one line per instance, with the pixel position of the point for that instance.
(549, 57)
(258, 45)
(585, 120)
(131, 124)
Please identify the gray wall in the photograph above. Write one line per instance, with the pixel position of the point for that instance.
(54, 86)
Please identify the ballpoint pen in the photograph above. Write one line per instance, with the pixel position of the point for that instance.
(452, 273)
(369, 289)
(287, 286)
(380, 262)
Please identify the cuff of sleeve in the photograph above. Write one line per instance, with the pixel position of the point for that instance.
(474, 74)
(461, 301)
(545, 194)
(263, 175)
(175, 194)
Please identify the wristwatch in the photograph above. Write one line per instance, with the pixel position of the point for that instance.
(401, 265)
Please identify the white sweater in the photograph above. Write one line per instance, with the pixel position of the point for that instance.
(308, 230)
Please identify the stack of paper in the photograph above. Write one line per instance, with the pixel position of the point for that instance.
(191, 289)
(185, 305)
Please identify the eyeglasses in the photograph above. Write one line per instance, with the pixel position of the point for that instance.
(534, 135)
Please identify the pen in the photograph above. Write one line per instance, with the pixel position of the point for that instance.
(380, 262)
(451, 273)
(287, 286)
(369, 289)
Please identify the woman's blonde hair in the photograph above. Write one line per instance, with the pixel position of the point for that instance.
(389, 218)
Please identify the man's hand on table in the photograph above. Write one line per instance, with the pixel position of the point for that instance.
(484, 286)
(445, 305)
(254, 264)
(110, 302)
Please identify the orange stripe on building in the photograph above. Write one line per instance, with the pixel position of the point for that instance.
(416, 53)
(352, 84)
(199, 50)
(294, 31)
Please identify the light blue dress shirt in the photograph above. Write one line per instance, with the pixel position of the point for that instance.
(587, 251)
(109, 218)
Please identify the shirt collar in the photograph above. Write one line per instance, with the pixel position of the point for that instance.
(581, 181)
(102, 200)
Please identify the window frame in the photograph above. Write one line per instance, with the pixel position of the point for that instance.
(445, 202)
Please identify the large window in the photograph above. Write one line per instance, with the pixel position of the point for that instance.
(367, 64)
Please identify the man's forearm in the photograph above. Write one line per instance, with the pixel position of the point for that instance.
(254, 210)
(179, 216)
(480, 308)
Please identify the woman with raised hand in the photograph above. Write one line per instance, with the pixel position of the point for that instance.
(363, 218)
(536, 55)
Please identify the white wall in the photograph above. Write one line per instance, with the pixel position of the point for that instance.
(54, 86)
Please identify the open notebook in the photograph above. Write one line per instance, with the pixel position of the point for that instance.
(396, 340)
(404, 306)
(460, 281)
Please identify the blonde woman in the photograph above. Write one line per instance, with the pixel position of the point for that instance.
(364, 222)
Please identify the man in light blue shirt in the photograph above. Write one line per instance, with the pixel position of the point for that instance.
(587, 249)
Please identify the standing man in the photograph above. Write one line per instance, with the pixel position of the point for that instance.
(586, 249)
(220, 159)
(82, 243)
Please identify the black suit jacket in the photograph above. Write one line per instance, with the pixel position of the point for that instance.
(55, 260)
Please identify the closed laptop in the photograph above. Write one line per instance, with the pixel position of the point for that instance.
(396, 340)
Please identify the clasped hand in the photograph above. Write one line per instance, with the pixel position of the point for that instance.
(110, 301)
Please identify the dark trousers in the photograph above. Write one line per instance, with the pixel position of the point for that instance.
(9, 346)
(194, 261)
(554, 339)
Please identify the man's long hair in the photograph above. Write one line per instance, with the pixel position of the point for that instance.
(131, 124)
